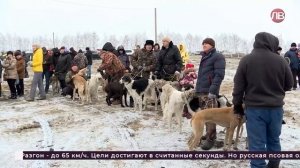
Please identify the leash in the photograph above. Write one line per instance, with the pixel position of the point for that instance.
(139, 73)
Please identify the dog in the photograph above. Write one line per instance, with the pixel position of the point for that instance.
(173, 103)
(224, 117)
(138, 89)
(92, 86)
(55, 85)
(79, 85)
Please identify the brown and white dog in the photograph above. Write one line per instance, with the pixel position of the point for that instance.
(224, 117)
(79, 85)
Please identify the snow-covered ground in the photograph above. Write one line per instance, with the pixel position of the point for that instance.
(62, 124)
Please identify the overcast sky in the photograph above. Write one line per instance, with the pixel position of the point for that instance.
(119, 17)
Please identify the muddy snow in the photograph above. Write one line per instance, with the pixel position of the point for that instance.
(62, 124)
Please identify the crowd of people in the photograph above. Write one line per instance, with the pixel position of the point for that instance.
(260, 83)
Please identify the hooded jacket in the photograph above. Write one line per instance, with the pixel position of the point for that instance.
(37, 60)
(110, 62)
(184, 54)
(63, 65)
(262, 76)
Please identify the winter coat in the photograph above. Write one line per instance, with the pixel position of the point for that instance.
(156, 54)
(48, 63)
(37, 60)
(184, 54)
(89, 56)
(262, 77)
(292, 55)
(188, 78)
(10, 68)
(21, 68)
(80, 60)
(124, 58)
(63, 65)
(111, 63)
(169, 61)
(211, 72)
(145, 59)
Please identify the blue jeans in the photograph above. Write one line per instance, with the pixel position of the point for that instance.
(47, 75)
(263, 129)
(89, 71)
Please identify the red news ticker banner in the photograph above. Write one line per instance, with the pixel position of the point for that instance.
(158, 155)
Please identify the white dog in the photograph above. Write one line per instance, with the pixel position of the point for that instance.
(174, 102)
(92, 86)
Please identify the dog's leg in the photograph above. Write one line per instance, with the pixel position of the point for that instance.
(191, 139)
(247, 143)
(242, 130)
(226, 138)
(141, 105)
(81, 95)
(237, 137)
(125, 98)
(156, 102)
(169, 118)
(74, 92)
(179, 119)
(198, 132)
(231, 131)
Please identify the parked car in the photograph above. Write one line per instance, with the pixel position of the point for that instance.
(129, 52)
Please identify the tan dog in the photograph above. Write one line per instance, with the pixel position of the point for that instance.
(224, 117)
(79, 84)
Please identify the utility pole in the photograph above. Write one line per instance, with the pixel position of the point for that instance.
(53, 40)
(155, 20)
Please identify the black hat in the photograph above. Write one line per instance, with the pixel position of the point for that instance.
(9, 52)
(62, 48)
(293, 45)
(87, 48)
(149, 42)
(209, 41)
(80, 51)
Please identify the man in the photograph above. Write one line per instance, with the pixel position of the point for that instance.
(260, 84)
(113, 67)
(37, 67)
(210, 76)
(89, 56)
(298, 74)
(143, 61)
(184, 54)
(294, 62)
(63, 66)
(80, 60)
(169, 62)
(68, 90)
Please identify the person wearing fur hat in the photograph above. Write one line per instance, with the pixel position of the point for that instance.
(10, 73)
(294, 62)
(210, 76)
(143, 61)
(169, 62)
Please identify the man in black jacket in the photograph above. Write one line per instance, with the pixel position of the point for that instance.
(260, 83)
(89, 56)
(169, 62)
(63, 66)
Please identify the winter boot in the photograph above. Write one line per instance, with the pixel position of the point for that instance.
(210, 136)
(13, 96)
(273, 164)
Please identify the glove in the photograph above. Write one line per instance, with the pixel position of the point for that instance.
(211, 96)
(177, 72)
(140, 68)
(238, 109)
